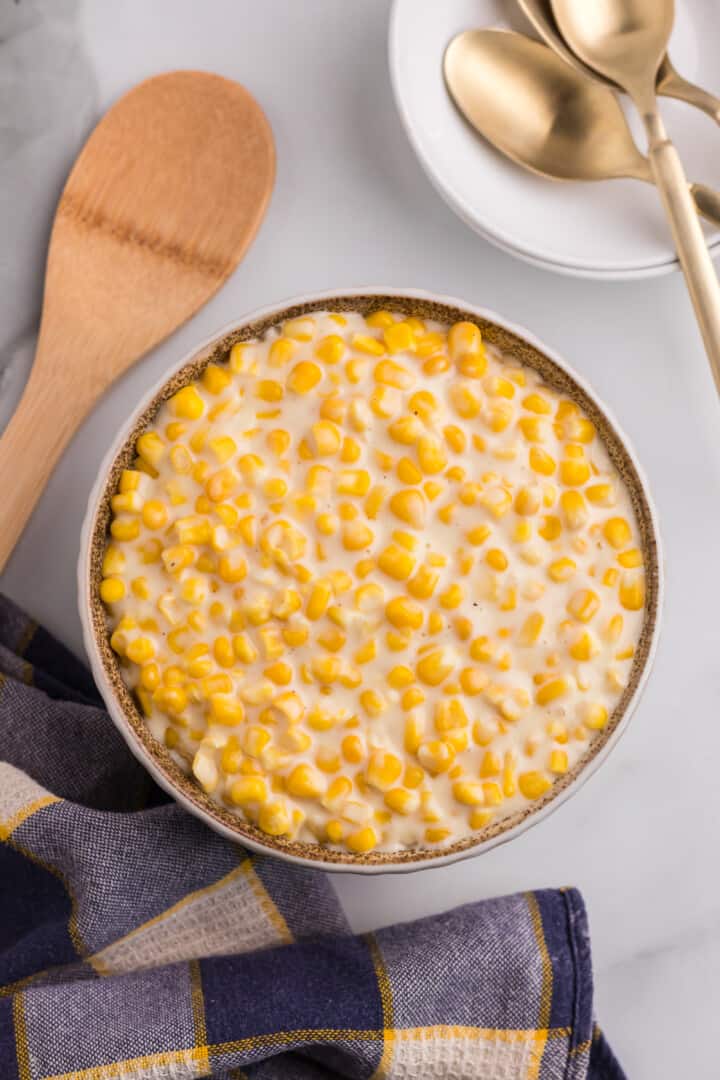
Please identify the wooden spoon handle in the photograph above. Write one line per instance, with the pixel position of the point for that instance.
(40, 429)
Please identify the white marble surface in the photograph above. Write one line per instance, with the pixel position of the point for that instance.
(352, 208)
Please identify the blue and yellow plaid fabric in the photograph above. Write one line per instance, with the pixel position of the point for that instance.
(135, 943)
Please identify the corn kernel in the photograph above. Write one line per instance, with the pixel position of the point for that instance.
(480, 818)
(248, 790)
(600, 494)
(353, 482)
(449, 716)
(300, 329)
(125, 528)
(468, 793)
(364, 343)
(436, 756)
(436, 835)
(583, 605)
(617, 532)
(497, 500)
(496, 559)
(113, 561)
(389, 373)
(551, 691)
(574, 509)
(584, 647)
(274, 818)
(280, 673)
(409, 506)
(402, 801)
(129, 502)
(337, 794)
(464, 401)
(536, 403)
(595, 716)
(551, 528)
(531, 630)
(380, 320)
(215, 378)
(630, 559)
(404, 613)
(373, 703)
(491, 764)
(140, 650)
(130, 480)
(433, 668)
(398, 337)
(632, 592)
(574, 471)
(464, 340)
(492, 793)
(226, 711)
(533, 785)
(532, 428)
(240, 358)
(112, 590)
(187, 404)
(527, 501)
(305, 782)
(232, 569)
(356, 536)
(353, 749)
(482, 648)
(558, 762)
(362, 841)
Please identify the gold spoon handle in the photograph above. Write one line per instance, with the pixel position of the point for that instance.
(672, 85)
(707, 201)
(690, 243)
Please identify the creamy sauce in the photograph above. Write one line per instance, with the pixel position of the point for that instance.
(531, 623)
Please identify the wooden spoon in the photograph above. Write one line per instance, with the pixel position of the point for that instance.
(161, 205)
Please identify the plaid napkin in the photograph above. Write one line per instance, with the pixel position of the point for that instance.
(136, 943)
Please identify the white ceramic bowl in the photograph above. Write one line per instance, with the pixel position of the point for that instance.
(607, 230)
(513, 340)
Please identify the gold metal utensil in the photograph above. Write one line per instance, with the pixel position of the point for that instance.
(536, 109)
(669, 81)
(626, 40)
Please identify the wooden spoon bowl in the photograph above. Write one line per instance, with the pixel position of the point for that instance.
(160, 207)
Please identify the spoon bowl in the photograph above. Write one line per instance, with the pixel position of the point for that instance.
(540, 14)
(670, 82)
(542, 114)
(623, 40)
(537, 110)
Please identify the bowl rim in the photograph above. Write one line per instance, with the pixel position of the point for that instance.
(315, 856)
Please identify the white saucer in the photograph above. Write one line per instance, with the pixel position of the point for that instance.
(612, 229)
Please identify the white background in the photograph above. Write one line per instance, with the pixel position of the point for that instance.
(352, 207)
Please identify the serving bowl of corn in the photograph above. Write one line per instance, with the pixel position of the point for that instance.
(371, 581)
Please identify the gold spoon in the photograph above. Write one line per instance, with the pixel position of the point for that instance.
(537, 110)
(626, 40)
(669, 82)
